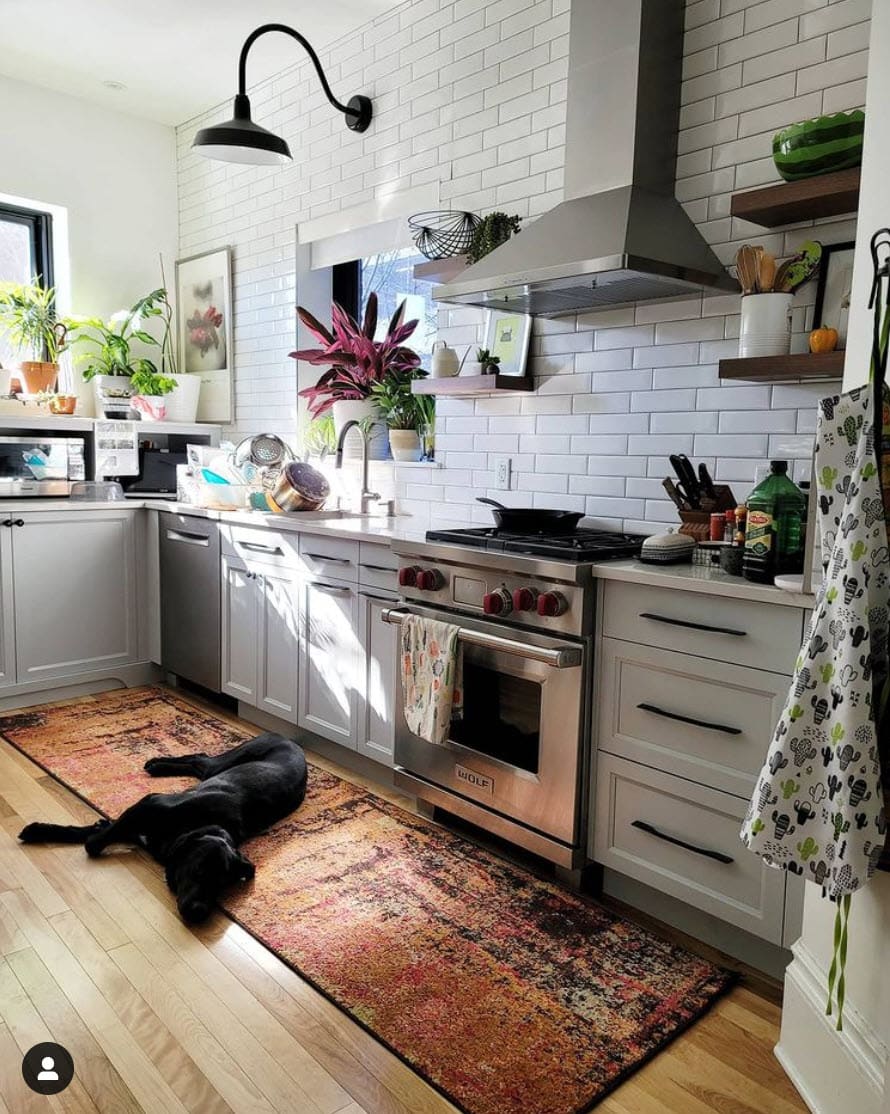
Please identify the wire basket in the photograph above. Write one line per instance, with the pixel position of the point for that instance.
(445, 234)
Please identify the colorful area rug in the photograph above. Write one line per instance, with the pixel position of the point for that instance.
(508, 994)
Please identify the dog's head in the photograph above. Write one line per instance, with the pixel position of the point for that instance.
(199, 866)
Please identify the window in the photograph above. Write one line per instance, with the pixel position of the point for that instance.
(25, 252)
(391, 275)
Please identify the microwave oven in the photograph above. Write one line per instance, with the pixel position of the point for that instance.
(40, 464)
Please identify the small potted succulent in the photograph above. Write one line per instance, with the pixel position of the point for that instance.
(487, 361)
(355, 362)
(28, 321)
(405, 414)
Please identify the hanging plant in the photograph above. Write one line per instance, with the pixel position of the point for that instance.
(493, 230)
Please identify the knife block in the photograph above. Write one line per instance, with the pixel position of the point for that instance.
(697, 524)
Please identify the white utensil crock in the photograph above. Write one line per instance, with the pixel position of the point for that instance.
(766, 325)
(445, 363)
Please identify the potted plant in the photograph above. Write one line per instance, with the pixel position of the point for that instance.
(492, 231)
(487, 362)
(149, 391)
(404, 413)
(28, 320)
(355, 361)
(107, 356)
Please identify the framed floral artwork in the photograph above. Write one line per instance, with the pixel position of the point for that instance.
(204, 316)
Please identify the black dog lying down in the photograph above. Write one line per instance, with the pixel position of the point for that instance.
(195, 834)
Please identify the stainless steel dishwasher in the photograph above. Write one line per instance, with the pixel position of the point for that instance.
(190, 599)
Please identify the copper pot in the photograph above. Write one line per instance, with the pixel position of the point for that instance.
(300, 487)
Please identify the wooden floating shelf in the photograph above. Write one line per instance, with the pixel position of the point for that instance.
(801, 368)
(474, 386)
(440, 270)
(827, 195)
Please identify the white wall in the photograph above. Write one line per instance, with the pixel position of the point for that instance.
(471, 95)
(114, 174)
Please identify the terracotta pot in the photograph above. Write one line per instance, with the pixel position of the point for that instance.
(38, 375)
(63, 404)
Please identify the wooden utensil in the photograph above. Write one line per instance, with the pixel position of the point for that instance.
(746, 268)
(766, 274)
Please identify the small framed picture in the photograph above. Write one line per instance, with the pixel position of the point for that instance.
(507, 336)
(834, 288)
(204, 316)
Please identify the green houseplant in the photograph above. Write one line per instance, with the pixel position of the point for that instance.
(492, 231)
(28, 321)
(407, 415)
(106, 350)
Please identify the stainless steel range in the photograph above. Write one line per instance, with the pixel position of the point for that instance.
(516, 763)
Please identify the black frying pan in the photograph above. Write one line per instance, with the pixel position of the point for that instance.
(524, 520)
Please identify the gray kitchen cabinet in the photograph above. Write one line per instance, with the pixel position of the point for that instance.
(379, 677)
(238, 630)
(277, 643)
(74, 594)
(7, 612)
(259, 636)
(330, 660)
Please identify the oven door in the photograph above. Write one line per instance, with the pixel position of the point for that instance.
(518, 748)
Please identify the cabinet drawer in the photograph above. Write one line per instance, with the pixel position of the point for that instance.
(683, 840)
(742, 632)
(336, 557)
(254, 544)
(702, 720)
(378, 567)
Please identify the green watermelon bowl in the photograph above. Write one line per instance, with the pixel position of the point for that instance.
(819, 146)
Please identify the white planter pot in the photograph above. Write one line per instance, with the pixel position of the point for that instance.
(360, 410)
(182, 404)
(471, 367)
(405, 445)
(106, 386)
(151, 408)
(765, 328)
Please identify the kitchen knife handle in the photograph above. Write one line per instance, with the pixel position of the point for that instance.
(692, 626)
(718, 856)
(656, 711)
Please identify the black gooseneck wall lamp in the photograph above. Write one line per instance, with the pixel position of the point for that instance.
(241, 140)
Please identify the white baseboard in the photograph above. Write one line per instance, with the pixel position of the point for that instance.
(835, 1073)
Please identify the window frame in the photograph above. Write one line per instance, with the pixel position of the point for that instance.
(40, 225)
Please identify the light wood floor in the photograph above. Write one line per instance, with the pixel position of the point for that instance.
(163, 1019)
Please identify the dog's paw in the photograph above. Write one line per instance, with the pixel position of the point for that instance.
(154, 766)
(32, 833)
(94, 847)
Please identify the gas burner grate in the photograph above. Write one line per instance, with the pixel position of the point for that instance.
(579, 545)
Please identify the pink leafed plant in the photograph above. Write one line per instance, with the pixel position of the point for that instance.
(354, 359)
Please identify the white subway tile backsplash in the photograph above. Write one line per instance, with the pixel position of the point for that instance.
(470, 99)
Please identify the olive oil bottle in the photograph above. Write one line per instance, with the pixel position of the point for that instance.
(774, 537)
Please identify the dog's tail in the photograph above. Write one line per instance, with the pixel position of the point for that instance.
(59, 833)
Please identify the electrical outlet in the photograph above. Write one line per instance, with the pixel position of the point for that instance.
(502, 473)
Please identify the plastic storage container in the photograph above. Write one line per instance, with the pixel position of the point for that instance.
(774, 536)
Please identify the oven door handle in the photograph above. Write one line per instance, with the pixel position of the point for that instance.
(568, 657)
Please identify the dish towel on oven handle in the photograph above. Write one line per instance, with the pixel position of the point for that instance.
(818, 807)
(432, 676)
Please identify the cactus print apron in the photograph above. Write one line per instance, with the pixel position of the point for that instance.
(818, 806)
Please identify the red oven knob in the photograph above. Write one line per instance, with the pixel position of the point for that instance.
(551, 604)
(430, 580)
(498, 602)
(524, 599)
(408, 576)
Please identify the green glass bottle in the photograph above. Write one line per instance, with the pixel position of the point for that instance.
(774, 540)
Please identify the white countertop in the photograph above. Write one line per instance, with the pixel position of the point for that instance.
(708, 580)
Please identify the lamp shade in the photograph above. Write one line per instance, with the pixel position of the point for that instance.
(241, 140)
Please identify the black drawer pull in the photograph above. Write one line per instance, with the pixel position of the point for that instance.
(718, 856)
(378, 568)
(692, 626)
(256, 547)
(327, 557)
(656, 711)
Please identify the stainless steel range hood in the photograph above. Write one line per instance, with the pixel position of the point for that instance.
(620, 237)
